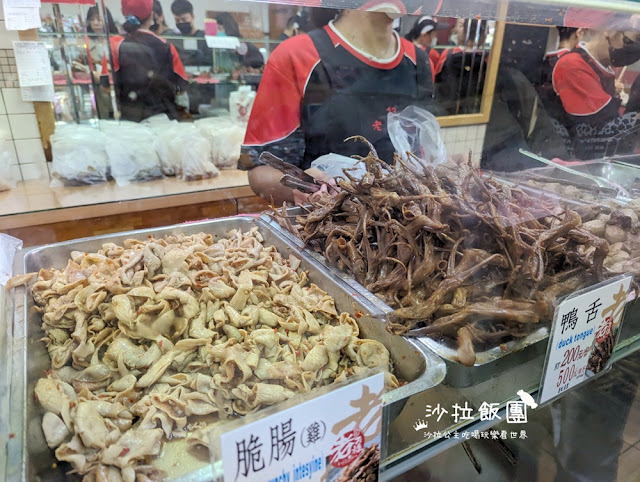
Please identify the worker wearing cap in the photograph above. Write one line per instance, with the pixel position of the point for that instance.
(586, 85)
(148, 70)
(335, 82)
(421, 34)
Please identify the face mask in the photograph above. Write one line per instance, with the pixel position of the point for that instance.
(184, 27)
(627, 55)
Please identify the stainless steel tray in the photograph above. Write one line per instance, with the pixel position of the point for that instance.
(413, 363)
(488, 364)
(625, 176)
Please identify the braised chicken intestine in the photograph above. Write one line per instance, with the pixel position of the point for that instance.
(158, 339)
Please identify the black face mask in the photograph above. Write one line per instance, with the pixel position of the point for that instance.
(184, 27)
(627, 55)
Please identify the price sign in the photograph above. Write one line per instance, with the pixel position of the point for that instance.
(583, 336)
(329, 437)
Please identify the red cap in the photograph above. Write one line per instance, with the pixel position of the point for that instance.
(596, 19)
(138, 8)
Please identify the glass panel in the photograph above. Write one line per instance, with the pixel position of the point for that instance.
(454, 231)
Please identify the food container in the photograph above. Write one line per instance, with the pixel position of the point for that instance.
(625, 176)
(413, 362)
(489, 363)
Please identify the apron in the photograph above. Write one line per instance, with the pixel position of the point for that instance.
(346, 97)
(592, 140)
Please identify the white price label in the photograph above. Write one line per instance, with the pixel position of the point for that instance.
(22, 18)
(583, 336)
(32, 60)
(315, 440)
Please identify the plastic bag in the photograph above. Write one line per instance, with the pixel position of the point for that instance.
(9, 246)
(334, 165)
(79, 157)
(225, 138)
(131, 152)
(6, 178)
(184, 151)
(168, 152)
(196, 158)
(417, 131)
(241, 103)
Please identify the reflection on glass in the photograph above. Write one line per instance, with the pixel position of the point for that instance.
(461, 70)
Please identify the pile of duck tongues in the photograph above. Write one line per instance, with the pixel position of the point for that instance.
(461, 257)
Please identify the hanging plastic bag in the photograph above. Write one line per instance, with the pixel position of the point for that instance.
(132, 156)
(79, 157)
(417, 131)
(6, 177)
(334, 165)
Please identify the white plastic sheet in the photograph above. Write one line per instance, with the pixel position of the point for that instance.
(334, 165)
(9, 246)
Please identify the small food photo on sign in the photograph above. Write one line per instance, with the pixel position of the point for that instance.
(606, 334)
(364, 468)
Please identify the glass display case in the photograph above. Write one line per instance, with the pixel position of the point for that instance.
(448, 175)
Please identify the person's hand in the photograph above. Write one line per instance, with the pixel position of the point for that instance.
(619, 86)
(303, 198)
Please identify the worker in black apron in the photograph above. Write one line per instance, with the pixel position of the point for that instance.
(586, 85)
(148, 72)
(321, 88)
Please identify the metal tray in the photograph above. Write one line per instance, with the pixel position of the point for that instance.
(625, 176)
(488, 364)
(413, 363)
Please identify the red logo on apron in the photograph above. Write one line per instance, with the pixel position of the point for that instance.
(347, 448)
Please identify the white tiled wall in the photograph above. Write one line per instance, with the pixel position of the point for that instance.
(18, 123)
(17, 118)
(459, 140)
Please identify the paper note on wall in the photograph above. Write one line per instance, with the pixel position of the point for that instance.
(32, 61)
(19, 18)
(21, 14)
(38, 93)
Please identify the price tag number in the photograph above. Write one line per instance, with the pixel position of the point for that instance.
(566, 375)
(572, 355)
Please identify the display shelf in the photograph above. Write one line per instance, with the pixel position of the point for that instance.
(220, 39)
(34, 202)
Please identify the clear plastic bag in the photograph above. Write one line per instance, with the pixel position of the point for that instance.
(334, 164)
(79, 157)
(131, 152)
(167, 150)
(184, 152)
(6, 177)
(196, 158)
(226, 139)
(9, 246)
(417, 131)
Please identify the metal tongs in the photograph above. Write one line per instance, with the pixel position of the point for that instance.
(293, 177)
(600, 182)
